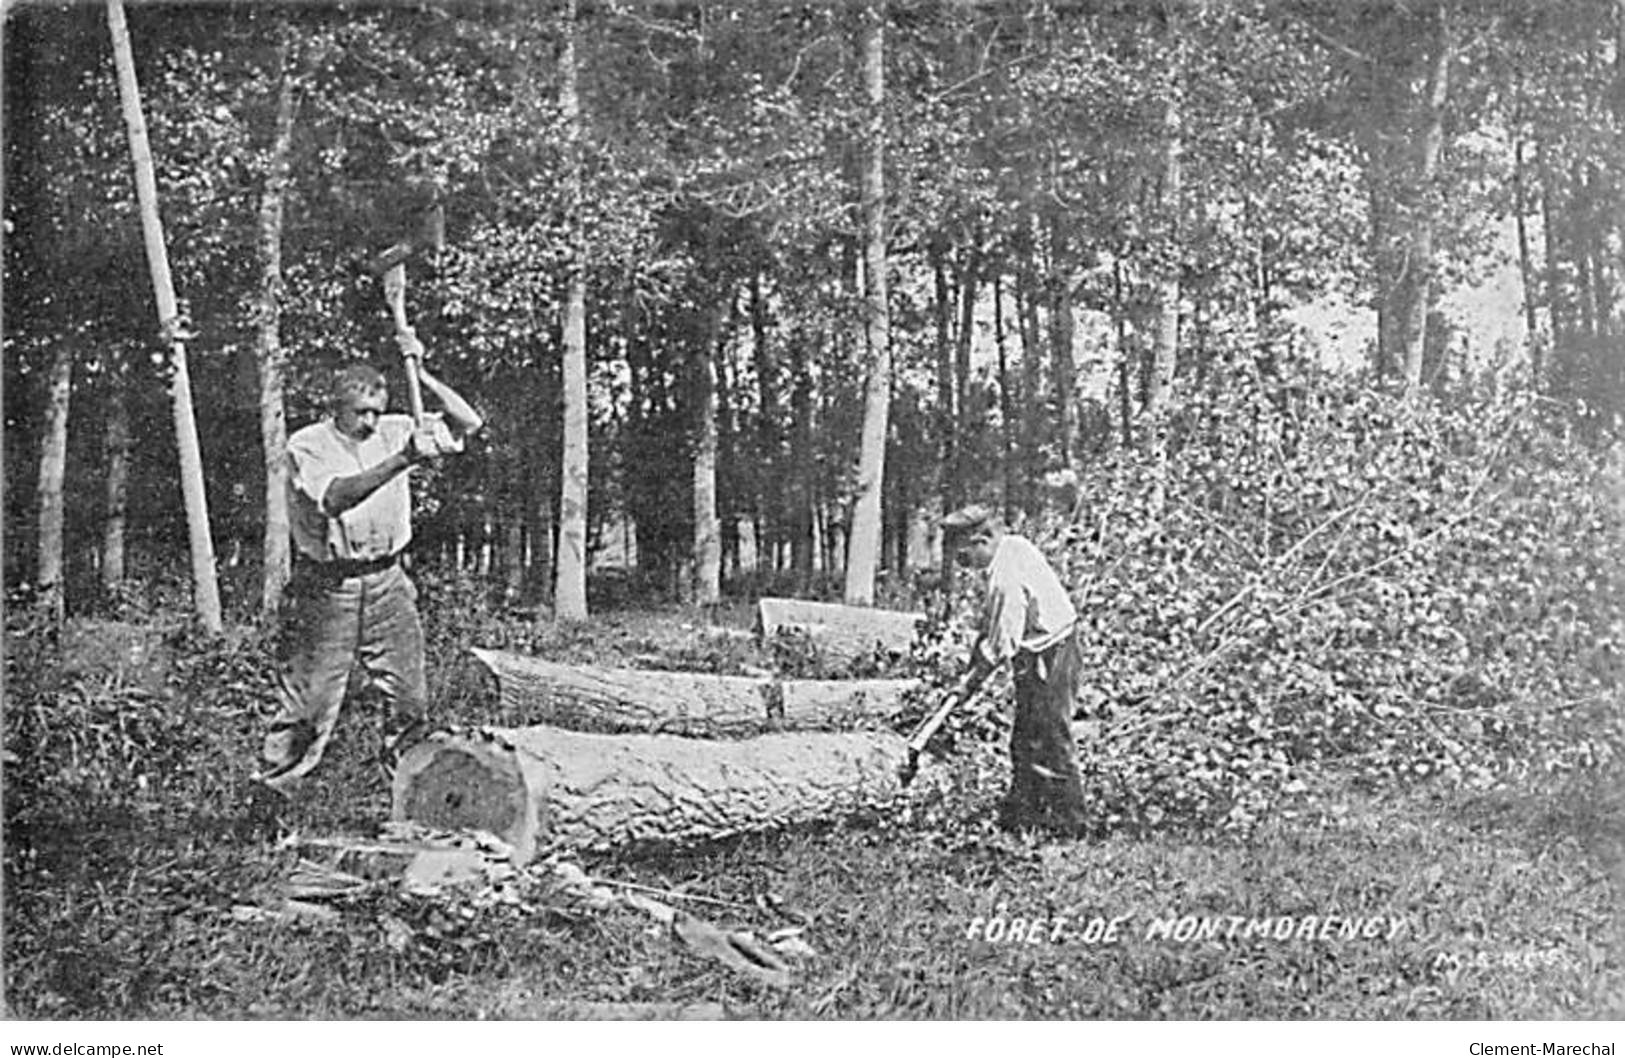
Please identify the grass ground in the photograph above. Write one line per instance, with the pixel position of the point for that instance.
(1506, 904)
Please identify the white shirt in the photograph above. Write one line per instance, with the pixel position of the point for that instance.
(1026, 606)
(379, 525)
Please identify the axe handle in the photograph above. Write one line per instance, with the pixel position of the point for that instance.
(922, 734)
(395, 294)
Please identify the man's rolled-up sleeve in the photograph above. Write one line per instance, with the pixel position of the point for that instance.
(445, 438)
(1003, 617)
(310, 474)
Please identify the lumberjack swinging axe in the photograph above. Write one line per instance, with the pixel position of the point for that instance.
(389, 268)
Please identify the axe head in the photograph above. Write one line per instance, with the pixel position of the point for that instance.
(427, 239)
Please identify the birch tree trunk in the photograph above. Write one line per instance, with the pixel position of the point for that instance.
(1165, 350)
(570, 591)
(1419, 293)
(53, 463)
(707, 530)
(864, 544)
(205, 587)
(1165, 347)
(278, 562)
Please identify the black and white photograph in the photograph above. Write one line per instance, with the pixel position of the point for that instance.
(843, 511)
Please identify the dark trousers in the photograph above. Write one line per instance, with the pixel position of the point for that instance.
(1045, 791)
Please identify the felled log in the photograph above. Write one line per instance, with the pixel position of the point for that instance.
(541, 787)
(841, 633)
(606, 700)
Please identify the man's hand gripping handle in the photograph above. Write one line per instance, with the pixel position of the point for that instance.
(411, 348)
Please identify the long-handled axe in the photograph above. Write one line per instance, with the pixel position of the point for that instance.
(390, 268)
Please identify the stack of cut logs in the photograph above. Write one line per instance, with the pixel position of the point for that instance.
(618, 757)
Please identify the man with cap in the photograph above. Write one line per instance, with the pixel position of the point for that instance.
(1028, 620)
(350, 505)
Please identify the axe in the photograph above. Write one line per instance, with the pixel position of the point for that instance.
(929, 727)
(390, 268)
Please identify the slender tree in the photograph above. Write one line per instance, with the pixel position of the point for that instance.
(278, 561)
(707, 587)
(570, 594)
(116, 452)
(205, 586)
(1418, 292)
(863, 547)
(53, 464)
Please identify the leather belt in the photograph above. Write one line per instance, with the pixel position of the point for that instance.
(343, 568)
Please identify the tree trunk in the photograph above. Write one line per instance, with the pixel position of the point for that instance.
(947, 410)
(1615, 322)
(841, 633)
(205, 588)
(1418, 298)
(1526, 265)
(570, 590)
(117, 454)
(1165, 350)
(864, 543)
(707, 588)
(1006, 427)
(543, 787)
(1125, 358)
(962, 350)
(1063, 335)
(532, 690)
(1032, 408)
(277, 545)
(53, 464)
(1556, 291)
(769, 486)
(513, 557)
(802, 464)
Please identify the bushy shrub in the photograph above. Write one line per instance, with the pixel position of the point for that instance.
(1321, 572)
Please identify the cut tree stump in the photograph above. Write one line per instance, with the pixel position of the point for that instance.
(841, 633)
(542, 787)
(605, 700)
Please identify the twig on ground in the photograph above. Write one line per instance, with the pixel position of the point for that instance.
(656, 891)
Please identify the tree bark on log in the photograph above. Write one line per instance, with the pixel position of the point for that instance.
(590, 698)
(544, 787)
(840, 632)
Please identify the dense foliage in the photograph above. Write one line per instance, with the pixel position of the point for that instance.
(1037, 236)
(1332, 577)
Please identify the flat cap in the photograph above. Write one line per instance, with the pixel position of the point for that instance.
(967, 518)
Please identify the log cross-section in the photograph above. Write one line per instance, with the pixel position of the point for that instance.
(543, 787)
